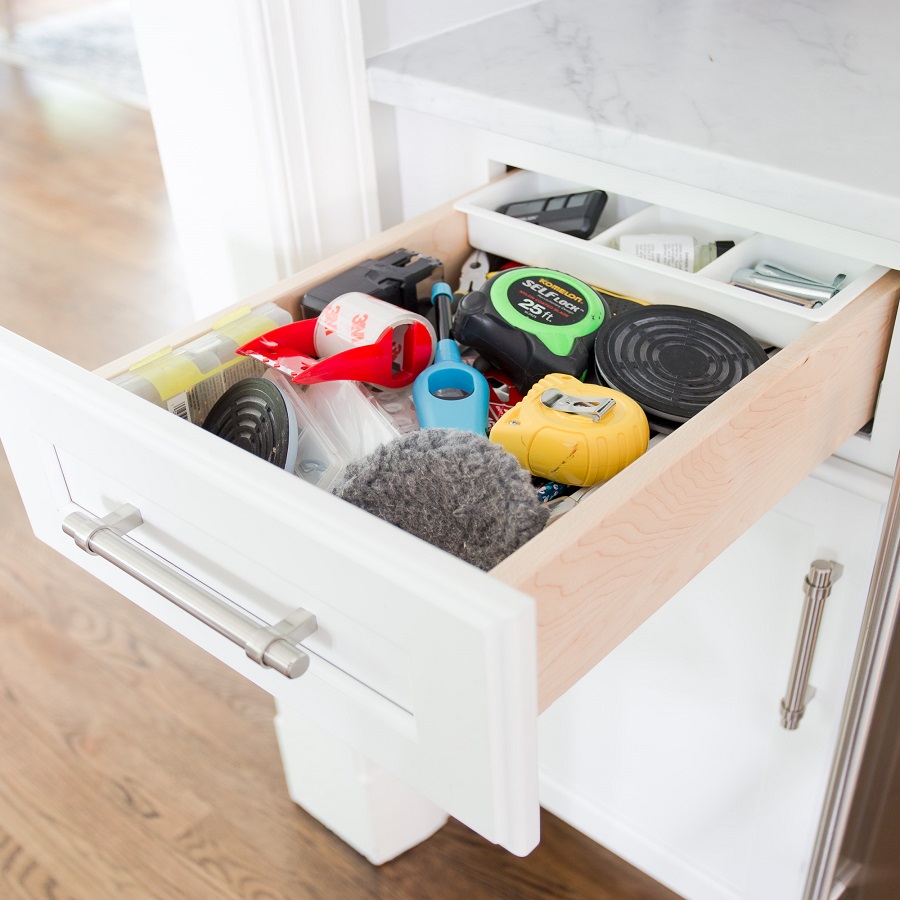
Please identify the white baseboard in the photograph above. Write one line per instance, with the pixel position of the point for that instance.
(665, 867)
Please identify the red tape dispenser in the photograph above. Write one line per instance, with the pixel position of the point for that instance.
(355, 338)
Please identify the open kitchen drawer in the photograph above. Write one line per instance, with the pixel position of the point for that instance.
(433, 669)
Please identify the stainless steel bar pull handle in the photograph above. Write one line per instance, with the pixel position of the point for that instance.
(272, 646)
(822, 575)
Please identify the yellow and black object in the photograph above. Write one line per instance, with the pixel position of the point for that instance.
(574, 433)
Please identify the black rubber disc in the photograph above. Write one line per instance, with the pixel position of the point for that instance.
(617, 306)
(253, 414)
(672, 360)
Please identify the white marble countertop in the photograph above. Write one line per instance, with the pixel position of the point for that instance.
(793, 104)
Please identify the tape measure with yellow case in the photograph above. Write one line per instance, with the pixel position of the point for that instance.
(574, 433)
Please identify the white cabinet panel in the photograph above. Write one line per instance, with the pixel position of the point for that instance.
(671, 752)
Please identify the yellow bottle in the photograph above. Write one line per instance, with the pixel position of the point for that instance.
(165, 377)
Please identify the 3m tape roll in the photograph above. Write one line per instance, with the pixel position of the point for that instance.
(356, 338)
(356, 319)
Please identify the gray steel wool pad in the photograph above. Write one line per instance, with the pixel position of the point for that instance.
(452, 488)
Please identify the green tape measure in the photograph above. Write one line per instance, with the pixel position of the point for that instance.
(530, 322)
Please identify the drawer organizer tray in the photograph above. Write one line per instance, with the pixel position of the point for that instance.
(433, 669)
(772, 321)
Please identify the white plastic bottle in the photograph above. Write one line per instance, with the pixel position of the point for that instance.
(679, 251)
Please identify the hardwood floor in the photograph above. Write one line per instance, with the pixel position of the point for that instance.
(133, 764)
(25, 10)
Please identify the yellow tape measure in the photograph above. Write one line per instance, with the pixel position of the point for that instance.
(574, 433)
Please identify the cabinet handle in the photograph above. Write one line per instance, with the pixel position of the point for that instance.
(271, 646)
(821, 576)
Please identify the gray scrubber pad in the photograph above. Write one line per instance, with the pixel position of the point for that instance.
(454, 489)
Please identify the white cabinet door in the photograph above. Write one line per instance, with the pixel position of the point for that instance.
(420, 662)
(671, 752)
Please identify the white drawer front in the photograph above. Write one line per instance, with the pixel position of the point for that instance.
(421, 662)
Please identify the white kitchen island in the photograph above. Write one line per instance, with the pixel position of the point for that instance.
(782, 119)
(301, 127)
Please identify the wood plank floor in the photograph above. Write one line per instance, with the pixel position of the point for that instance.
(134, 765)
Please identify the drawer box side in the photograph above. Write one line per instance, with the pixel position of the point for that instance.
(441, 233)
(668, 515)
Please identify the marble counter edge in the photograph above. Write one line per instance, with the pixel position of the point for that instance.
(849, 207)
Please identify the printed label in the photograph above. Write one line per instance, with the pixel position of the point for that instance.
(358, 328)
(547, 300)
(356, 319)
(329, 318)
(179, 405)
(673, 250)
(201, 398)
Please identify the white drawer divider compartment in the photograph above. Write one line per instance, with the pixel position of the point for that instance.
(773, 322)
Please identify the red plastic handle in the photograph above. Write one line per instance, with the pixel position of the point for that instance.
(291, 350)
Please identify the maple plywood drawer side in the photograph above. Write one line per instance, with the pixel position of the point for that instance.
(433, 669)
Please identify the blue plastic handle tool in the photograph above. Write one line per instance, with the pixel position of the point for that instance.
(450, 394)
